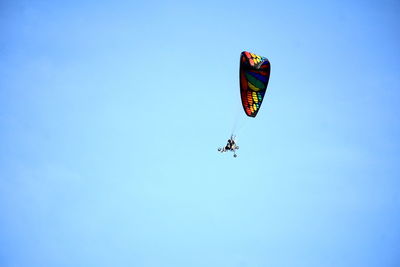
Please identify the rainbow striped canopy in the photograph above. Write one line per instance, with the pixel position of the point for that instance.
(254, 77)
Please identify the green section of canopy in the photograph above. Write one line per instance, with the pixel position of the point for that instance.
(254, 81)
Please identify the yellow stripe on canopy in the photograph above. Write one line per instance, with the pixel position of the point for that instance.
(252, 87)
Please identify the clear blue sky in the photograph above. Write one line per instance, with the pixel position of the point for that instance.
(111, 113)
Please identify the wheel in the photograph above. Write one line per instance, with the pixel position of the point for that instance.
(237, 147)
(234, 155)
(219, 149)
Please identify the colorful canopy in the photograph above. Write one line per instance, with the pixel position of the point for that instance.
(254, 77)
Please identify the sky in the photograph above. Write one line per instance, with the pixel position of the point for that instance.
(111, 113)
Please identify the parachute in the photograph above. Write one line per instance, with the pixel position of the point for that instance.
(254, 77)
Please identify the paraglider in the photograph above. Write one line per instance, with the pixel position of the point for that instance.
(254, 75)
(230, 146)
